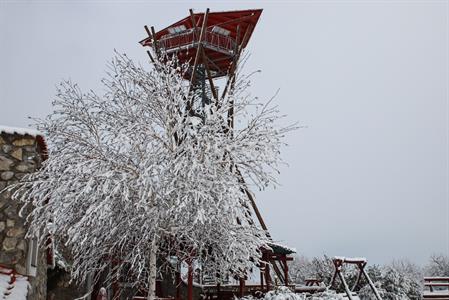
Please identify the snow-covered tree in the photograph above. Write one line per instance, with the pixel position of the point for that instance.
(143, 172)
(392, 284)
(438, 266)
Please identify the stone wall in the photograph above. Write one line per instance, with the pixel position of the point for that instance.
(19, 155)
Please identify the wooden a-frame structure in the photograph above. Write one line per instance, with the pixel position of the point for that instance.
(360, 263)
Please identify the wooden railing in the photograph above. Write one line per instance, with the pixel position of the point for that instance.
(436, 288)
(189, 38)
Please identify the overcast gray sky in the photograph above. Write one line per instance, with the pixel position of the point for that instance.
(367, 177)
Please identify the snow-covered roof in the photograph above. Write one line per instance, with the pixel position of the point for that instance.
(31, 132)
(281, 249)
(13, 287)
(21, 131)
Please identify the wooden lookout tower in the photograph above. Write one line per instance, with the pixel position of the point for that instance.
(210, 45)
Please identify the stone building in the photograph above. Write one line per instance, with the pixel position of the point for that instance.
(21, 151)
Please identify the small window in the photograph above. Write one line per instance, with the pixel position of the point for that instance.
(32, 256)
(221, 30)
(176, 29)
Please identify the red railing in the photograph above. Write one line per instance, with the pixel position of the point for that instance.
(190, 37)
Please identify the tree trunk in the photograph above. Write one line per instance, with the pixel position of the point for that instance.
(152, 273)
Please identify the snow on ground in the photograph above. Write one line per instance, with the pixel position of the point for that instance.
(284, 293)
(16, 290)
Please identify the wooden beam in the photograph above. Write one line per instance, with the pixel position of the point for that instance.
(155, 43)
(371, 284)
(151, 57)
(192, 19)
(147, 30)
(178, 285)
(235, 20)
(190, 280)
(241, 287)
(251, 199)
(267, 275)
(284, 261)
(213, 63)
(345, 285)
(198, 50)
(237, 38)
(209, 76)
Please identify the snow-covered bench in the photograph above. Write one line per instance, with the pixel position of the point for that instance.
(436, 288)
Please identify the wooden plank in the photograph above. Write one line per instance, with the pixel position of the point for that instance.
(436, 278)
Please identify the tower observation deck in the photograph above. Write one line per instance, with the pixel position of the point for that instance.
(212, 39)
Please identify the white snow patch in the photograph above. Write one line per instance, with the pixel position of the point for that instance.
(284, 293)
(350, 259)
(17, 290)
(21, 131)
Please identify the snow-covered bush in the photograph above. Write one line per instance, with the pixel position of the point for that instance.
(144, 171)
(284, 293)
(326, 295)
(393, 285)
(438, 266)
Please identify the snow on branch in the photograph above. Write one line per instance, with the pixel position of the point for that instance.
(135, 172)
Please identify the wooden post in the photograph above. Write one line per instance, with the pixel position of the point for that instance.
(218, 291)
(371, 284)
(178, 284)
(241, 287)
(198, 49)
(190, 280)
(359, 276)
(267, 275)
(155, 43)
(345, 285)
(284, 261)
(192, 19)
(334, 277)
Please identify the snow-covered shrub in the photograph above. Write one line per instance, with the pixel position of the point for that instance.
(283, 293)
(392, 285)
(326, 295)
(438, 266)
(279, 293)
